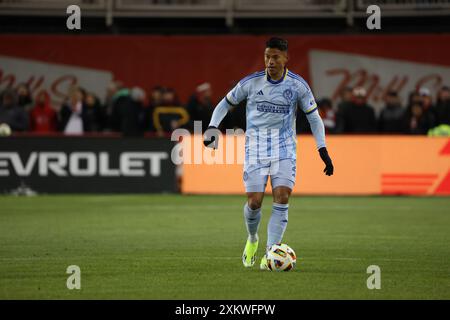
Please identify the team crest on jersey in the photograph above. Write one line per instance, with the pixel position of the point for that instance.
(287, 94)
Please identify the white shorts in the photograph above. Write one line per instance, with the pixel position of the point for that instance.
(281, 172)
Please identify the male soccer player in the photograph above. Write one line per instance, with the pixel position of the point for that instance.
(273, 96)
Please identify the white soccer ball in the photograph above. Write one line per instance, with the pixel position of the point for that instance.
(5, 130)
(281, 257)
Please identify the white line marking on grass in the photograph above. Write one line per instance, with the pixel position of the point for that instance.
(324, 209)
(176, 207)
(361, 259)
(192, 257)
(116, 258)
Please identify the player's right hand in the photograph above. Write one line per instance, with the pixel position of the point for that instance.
(211, 137)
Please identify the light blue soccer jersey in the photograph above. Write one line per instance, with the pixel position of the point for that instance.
(271, 113)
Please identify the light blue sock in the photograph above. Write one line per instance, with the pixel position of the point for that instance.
(277, 223)
(252, 219)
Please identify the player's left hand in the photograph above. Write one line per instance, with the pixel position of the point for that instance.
(329, 169)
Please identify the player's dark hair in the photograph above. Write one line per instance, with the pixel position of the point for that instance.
(277, 43)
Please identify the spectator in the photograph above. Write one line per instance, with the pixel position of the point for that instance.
(200, 106)
(24, 99)
(71, 115)
(429, 113)
(94, 113)
(443, 106)
(391, 118)
(346, 97)
(139, 97)
(111, 91)
(10, 112)
(170, 115)
(415, 120)
(327, 114)
(147, 113)
(127, 112)
(43, 117)
(414, 97)
(358, 116)
(156, 97)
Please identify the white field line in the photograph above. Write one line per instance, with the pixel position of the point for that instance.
(234, 207)
(184, 207)
(371, 259)
(115, 259)
(238, 258)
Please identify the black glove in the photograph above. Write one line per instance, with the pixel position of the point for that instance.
(327, 160)
(211, 137)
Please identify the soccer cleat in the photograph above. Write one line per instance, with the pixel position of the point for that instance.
(263, 265)
(249, 255)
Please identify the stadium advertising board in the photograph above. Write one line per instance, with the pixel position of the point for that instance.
(86, 165)
(364, 165)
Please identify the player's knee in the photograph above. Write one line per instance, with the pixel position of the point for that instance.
(282, 196)
(254, 203)
(282, 199)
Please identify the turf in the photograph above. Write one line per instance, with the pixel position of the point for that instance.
(189, 247)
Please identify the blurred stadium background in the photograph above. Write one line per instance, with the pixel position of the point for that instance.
(139, 69)
(144, 68)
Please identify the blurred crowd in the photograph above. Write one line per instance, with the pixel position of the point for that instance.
(134, 112)
(421, 115)
(129, 111)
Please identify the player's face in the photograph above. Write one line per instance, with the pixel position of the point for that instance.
(275, 61)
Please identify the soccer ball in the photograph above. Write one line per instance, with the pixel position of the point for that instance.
(5, 130)
(281, 257)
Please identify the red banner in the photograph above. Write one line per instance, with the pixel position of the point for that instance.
(183, 62)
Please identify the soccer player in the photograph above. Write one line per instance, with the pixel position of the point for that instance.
(273, 96)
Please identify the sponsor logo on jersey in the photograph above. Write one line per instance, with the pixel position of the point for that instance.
(272, 108)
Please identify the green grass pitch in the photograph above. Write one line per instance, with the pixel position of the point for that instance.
(189, 247)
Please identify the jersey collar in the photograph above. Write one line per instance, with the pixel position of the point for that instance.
(278, 81)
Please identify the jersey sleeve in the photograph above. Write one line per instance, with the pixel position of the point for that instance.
(237, 94)
(306, 99)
